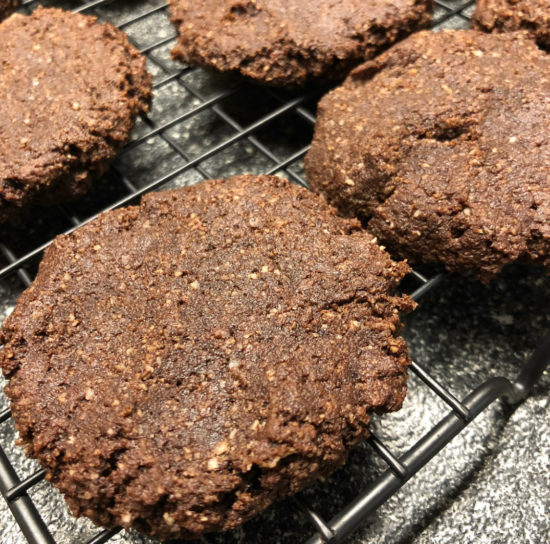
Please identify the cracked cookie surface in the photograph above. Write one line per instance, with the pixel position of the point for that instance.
(70, 90)
(179, 365)
(291, 42)
(442, 144)
(532, 16)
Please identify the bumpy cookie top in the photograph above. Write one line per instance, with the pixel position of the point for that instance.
(443, 143)
(290, 42)
(179, 365)
(69, 92)
(506, 15)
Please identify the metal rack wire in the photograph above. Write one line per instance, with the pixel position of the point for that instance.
(20, 260)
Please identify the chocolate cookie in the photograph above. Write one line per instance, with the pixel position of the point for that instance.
(179, 365)
(70, 90)
(291, 42)
(7, 7)
(506, 15)
(442, 144)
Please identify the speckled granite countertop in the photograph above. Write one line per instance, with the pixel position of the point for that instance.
(490, 485)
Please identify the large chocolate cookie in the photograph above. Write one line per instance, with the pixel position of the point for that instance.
(7, 7)
(179, 365)
(443, 143)
(506, 15)
(290, 42)
(70, 90)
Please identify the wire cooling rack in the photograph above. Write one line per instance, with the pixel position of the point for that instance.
(203, 123)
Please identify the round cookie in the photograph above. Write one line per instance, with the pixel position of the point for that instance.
(442, 144)
(179, 365)
(7, 7)
(532, 16)
(291, 42)
(70, 90)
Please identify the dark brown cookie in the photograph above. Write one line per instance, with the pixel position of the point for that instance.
(291, 42)
(507, 15)
(70, 90)
(179, 365)
(7, 7)
(443, 143)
